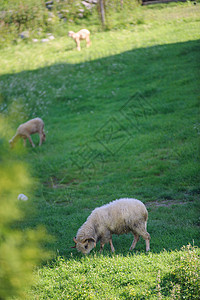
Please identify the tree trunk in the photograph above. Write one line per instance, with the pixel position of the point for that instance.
(102, 12)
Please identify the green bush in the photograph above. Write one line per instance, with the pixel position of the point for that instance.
(71, 10)
(23, 14)
(18, 16)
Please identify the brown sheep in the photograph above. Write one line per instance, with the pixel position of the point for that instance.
(26, 129)
(83, 34)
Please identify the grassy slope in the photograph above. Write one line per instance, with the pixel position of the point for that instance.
(122, 120)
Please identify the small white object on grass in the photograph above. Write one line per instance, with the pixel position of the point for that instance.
(51, 37)
(22, 197)
(44, 40)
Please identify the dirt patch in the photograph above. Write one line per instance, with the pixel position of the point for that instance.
(55, 183)
(165, 203)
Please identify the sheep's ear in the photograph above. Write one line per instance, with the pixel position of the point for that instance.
(92, 240)
(75, 241)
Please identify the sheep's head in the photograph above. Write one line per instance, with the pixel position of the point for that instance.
(85, 246)
(70, 33)
(11, 143)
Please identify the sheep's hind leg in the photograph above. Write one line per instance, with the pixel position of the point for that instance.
(136, 239)
(30, 140)
(147, 240)
(101, 247)
(25, 142)
(78, 45)
(146, 237)
(88, 42)
(41, 138)
(111, 245)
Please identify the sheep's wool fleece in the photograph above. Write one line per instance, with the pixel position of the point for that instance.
(118, 216)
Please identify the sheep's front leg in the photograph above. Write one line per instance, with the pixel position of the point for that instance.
(24, 141)
(88, 42)
(147, 240)
(41, 138)
(101, 247)
(78, 44)
(136, 239)
(30, 140)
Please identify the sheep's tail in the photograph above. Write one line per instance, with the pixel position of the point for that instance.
(145, 225)
(146, 219)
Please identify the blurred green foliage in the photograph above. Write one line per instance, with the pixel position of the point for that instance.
(20, 251)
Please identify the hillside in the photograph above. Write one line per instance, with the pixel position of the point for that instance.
(121, 120)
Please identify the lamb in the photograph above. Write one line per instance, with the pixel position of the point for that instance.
(83, 34)
(117, 217)
(26, 129)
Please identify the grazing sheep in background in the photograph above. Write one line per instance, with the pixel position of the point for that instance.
(83, 34)
(26, 129)
(118, 217)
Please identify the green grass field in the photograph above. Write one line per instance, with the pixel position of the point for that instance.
(122, 120)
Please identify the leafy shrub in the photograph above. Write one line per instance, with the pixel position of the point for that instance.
(18, 16)
(23, 14)
(71, 10)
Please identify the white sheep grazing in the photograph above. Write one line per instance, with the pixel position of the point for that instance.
(83, 34)
(26, 129)
(118, 217)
